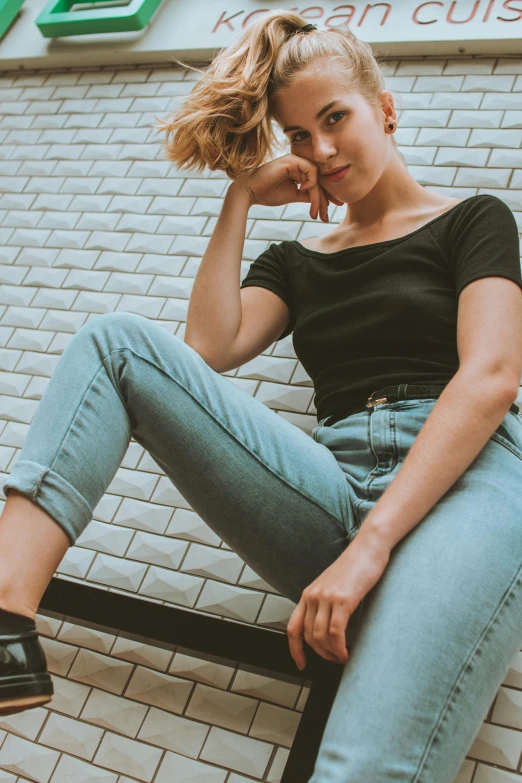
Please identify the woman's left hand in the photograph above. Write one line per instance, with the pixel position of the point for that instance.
(327, 603)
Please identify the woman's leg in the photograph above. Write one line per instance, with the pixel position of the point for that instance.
(435, 637)
(273, 494)
(32, 546)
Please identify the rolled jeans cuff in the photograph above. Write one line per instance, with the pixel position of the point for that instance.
(53, 493)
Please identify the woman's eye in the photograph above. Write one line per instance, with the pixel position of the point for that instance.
(335, 113)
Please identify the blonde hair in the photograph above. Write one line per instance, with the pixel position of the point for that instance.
(226, 121)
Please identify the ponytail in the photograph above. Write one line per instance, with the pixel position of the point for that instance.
(226, 122)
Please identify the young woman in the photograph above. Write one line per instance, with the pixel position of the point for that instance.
(398, 524)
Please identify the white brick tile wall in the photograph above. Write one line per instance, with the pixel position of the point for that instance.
(93, 220)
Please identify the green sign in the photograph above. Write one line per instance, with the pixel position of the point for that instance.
(57, 18)
(8, 12)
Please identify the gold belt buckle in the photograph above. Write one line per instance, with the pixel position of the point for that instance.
(370, 403)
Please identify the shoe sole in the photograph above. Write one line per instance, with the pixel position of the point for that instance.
(24, 691)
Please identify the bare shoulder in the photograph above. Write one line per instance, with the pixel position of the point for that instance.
(344, 236)
(316, 243)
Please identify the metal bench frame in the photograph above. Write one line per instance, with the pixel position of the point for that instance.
(172, 627)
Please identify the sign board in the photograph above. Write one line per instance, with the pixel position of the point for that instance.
(59, 18)
(196, 31)
(8, 13)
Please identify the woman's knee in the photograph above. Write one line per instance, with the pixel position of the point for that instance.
(110, 325)
(114, 320)
(109, 332)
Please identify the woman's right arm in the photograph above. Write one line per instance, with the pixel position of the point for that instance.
(214, 312)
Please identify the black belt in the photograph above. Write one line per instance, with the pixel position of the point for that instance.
(402, 391)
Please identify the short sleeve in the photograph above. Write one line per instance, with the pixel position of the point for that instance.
(269, 271)
(484, 242)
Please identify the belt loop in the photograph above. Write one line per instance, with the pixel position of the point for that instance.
(402, 391)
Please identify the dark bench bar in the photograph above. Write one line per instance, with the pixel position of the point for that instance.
(172, 627)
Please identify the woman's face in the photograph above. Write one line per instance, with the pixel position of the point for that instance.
(350, 131)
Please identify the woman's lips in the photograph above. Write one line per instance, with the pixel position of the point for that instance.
(338, 175)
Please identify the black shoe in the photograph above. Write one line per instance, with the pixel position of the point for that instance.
(24, 679)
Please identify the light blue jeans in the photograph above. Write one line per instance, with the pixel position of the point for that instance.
(434, 638)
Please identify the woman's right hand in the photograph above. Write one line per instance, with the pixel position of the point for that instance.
(276, 183)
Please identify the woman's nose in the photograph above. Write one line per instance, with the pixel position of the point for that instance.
(323, 149)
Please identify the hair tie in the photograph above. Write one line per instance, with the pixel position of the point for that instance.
(307, 28)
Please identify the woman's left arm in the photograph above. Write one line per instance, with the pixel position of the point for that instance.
(469, 410)
(467, 413)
